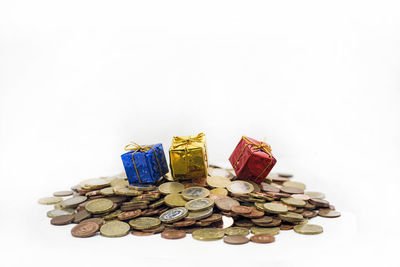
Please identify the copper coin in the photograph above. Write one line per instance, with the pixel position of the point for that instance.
(309, 206)
(99, 221)
(184, 223)
(213, 218)
(262, 220)
(156, 230)
(149, 212)
(173, 234)
(140, 233)
(242, 209)
(226, 203)
(309, 214)
(328, 213)
(292, 190)
(85, 229)
(319, 202)
(269, 188)
(63, 193)
(62, 220)
(255, 213)
(244, 223)
(262, 239)
(127, 215)
(236, 239)
(286, 227)
(275, 222)
(81, 215)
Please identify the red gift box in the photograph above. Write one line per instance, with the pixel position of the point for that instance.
(252, 160)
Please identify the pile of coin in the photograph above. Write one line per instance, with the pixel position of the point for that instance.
(219, 206)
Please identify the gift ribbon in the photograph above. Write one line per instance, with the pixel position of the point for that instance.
(261, 146)
(137, 148)
(186, 141)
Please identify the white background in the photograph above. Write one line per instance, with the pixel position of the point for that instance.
(319, 80)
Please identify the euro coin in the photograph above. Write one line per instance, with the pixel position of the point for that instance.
(199, 204)
(96, 183)
(308, 229)
(218, 181)
(195, 192)
(85, 229)
(62, 219)
(293, 202)
(174, 200)
(200, 214)
(219, 191)
(73, 202)
(240, 187)
(262, 238)
(264, 230)
(237, 231)
(173, 215)
(313, 194)
(173, 234)
(98, 206)
(275, 208)
(291, 217)
(63, 193)
(49, 200)
(208, 234)
(226, 203)
(171, 188)
(236, 239)
(115, 229)
(328, 213)
(59, 212)
(81, 215)
(144, 223)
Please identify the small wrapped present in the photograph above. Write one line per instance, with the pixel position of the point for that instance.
(144, 164)
(188, 157)
(252, 160)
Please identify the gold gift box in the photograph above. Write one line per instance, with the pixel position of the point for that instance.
(188, 157)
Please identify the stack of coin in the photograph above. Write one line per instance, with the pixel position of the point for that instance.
(219, 206)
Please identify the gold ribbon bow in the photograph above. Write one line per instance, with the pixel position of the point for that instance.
(137, 148)
(261, 146)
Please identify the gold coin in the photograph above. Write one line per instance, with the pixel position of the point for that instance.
(108, 191)
(219, 191)
(295, 184)
(218, 181)
(291, 217)
(73, 201)
(200, 214)
(199, 204)
(263, 230)
(115, 229)
(208, 234)
(142, 223)
(171, 188)
(126, 191)
(59, 212)
(195, 192)
(312, 194)
(49, 200)
(98, 206)
(237, 231)
(275, 208)
(96, 183)
(174, 200)
(293, 201)
(119, 182)
(308, 229)
(240, 187)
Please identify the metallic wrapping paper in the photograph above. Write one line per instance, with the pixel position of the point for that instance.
(188, 157)
(148, 168)
(252, 160)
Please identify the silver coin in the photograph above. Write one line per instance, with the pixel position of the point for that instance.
(173, 215)
(195, 192)
(200, 214)
(73, 202)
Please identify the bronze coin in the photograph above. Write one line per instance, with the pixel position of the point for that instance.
(262, 220)
(309, 214)
(292, 190)
(269, 188)
(309, 206)
(244, 223)
(236, 239)
(262, 239)
(213, 218)
(81, 215)
(226, 203)
(286, 227)
(140, 233)
(255, 213)
(85, 229)
(241, 210)
(155, 230)
(173, 234)
(184, 223)
(62, 220)
(328, 213)
(127, 215)
(99, 221)
(319, 202)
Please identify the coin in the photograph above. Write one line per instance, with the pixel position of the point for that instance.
(49, 200)
(128, 215)
(298, 185)
(218, 181)
(226, 203)
(155, 230)
(184, 223)
(264, 230)
(320, 203)
(59, 212)
(275, 208)
(309, 214)
(262, 238)
(269, 188)
(108, 191)
(73, 202)
(200, 214)
(255, 213)
(240, 187)
(173, 215)
(173, 234)
(301, 196)
(142, 187)
(291, 190)
(286, 227)
(126, 191)
(215, 217)
(237, 231)
(236, 239)
(291, 217)
(279, 179)
(115, 229)
(140, 233)
(63, 193)
(244, 223)
(241, 209)
(81, 215)
(144, 223)
(312, 194)
(96, 183)
(219, 191)
(171, 188)
(62, 220)
(199, 204)
(293, 202)
(285, 174)
(174, 200)
(85, 229)
(262, 221)
(99, 221)
(220, 172)
(308, 229)
(195, 192)
(328, 213)
(208, 234)
(98, 206)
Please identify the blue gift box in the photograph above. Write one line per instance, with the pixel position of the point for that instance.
(144, 164)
